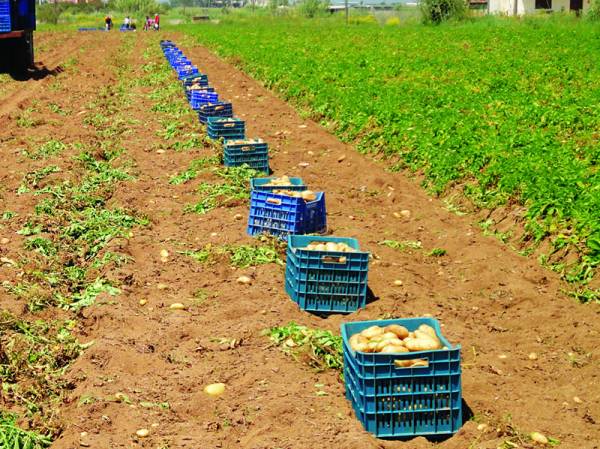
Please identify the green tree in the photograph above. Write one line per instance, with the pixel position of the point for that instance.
(594, 11)
(312, 8)
(136, 6)
(437, 11)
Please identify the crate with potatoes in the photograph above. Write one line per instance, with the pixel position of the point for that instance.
(226, 128)
(285, 212)
(251, 152)
(195, 82)
(201, 95)
(326, 274)
(283, 182)
(402, 377)
(218, 109)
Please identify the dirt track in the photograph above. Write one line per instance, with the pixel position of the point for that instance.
(500, 306)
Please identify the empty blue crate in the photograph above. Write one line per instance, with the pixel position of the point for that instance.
(251, 152)
(323, 277)
(280, 214)
(226, 128)
(218, 109)
(394, 399)
(275, 183)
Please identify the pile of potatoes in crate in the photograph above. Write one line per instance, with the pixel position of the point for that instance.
(395, 339)
(330, 246)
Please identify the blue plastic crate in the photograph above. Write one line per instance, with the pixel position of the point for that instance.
(199, 79)
(186, 70)
(326, 281)
(202, 96)
(219, 109)
(296, 184)
(5, 23)
(188, 90)
(282, 215)
(394, 402)
(438, 421)
(251, 152)
(371, 365)
(226, 128)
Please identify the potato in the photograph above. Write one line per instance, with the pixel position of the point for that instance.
(379, 344)
(331, 246)
(358, 342)
(215, 389)
(389, 335)
(423, 335)
(372, 346)
(420, 362)
(403, 363)
(428, 330)
(422, 344)
(308, 195)
(393, 348)
(400, 331)
(373, 331)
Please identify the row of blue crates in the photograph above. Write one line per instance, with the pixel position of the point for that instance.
(217, 114)
(390, 401)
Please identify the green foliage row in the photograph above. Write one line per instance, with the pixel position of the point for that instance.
(505, 111)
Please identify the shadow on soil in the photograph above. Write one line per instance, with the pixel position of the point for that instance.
(371, 296)
(38, 72)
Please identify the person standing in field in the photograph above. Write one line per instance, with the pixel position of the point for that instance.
(108, 23)
(157, 22)
(147, 24)
(127, 22)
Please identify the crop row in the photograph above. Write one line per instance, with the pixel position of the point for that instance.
(482, 108)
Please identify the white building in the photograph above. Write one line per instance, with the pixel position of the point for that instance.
(520, 7)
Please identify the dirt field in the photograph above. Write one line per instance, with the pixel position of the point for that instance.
(499, 306)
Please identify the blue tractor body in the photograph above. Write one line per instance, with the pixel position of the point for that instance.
(17, 23)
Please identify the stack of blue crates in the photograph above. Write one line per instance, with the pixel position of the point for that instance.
(326, 281)
(396, 402)
(226, 128)
(5, 22)
(218, 109)
(281, 215)
(251, 152)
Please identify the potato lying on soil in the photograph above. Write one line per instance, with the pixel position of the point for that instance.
(330, 246)
(395, 339)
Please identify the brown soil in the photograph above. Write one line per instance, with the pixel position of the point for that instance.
(498, 305)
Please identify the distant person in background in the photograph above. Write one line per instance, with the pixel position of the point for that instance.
(147, 24)
(108, 23)
(157, 22)
(127, 22)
